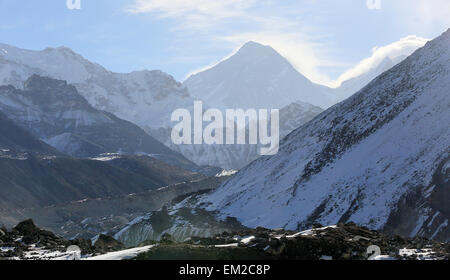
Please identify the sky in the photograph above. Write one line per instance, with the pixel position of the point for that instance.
(328, 41)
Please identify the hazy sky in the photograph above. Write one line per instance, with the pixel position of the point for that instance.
(322, 39)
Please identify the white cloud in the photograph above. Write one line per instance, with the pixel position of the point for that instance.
(193, 14)
(176, 8)
(403, 47)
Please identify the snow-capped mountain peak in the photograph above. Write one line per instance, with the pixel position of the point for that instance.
(255, 77)
(252, 51)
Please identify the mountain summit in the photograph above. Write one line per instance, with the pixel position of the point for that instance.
(253, 47)
(255, 77)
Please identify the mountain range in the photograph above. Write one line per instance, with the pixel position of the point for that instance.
(142, 97)
(256, 76)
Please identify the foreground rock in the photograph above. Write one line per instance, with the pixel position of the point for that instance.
(341, 242)
(27, 241)
(106, 244)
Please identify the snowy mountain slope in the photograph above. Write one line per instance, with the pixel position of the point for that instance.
(146, 98)
(370, 159)
(255, 77)
(54, 112)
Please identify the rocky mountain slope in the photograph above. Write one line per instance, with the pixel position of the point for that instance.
(380, 159)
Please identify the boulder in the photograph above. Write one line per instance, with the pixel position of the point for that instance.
(105, 244)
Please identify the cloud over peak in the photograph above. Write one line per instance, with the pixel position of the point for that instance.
(403, 47)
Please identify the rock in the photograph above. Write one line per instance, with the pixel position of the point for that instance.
(167, 238)
(28, 231)
(84, 244)
(26, 228)
(262, 235)
(18, 252)
(351, 224)
(106, 244)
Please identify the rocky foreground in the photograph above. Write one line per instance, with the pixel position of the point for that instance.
(26, 241)
(340, 242)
